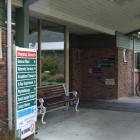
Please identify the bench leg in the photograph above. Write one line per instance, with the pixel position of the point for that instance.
(76, 106)
(43, 115)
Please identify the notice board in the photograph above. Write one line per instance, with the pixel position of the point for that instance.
(26, 90)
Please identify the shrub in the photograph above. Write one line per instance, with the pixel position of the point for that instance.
(60, 79)
(49, 64)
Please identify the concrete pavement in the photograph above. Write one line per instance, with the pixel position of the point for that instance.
(90, 124)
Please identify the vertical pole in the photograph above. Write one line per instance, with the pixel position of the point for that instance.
(9, 65)
(66, 44)
(134, 93)
(39, 52)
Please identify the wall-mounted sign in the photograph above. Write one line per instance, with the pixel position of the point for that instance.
(106, 63)
(26, 89)
(110, 82)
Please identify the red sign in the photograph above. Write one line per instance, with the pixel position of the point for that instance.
(26, 54)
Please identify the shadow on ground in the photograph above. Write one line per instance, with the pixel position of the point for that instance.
(128, 104)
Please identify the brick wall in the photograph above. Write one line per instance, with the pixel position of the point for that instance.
(93, 84)
(4, 134)
(125, 74)
(85, 53)
(3, 80)
(85, 78)
(75, 70)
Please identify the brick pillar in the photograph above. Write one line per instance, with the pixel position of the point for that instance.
(125, 74)
(4, 134)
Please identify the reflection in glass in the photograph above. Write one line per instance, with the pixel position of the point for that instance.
(52, 54)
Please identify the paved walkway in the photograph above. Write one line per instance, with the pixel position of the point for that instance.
(91, 124)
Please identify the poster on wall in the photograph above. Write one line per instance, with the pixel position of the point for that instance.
(26, 91)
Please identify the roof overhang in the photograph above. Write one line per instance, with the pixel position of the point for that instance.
(72, 21)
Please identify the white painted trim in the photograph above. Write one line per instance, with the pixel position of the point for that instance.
(136, 70)
(54, 14)
(137, 51)
(50, 46)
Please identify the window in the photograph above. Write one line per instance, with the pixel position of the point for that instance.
(2, 24)
(2, 13)
(33, 33)
(0, 44)
(48, 38)
(52, 54)
(137, 60)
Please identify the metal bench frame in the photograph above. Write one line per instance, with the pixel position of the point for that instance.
(42, 109)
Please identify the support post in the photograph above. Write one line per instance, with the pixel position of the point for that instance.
(39, 52)
(134, 82)
(22, 25)
(66, 45)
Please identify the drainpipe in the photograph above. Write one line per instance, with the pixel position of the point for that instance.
(9, 64)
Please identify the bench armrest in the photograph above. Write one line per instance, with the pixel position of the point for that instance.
(74, 93)
(41, 106)
(42, 109)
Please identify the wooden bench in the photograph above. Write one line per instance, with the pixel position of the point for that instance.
(55, 97)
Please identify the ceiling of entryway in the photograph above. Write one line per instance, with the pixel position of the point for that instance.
(90, 16)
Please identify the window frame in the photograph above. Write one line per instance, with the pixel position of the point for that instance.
(135, 61)
(66, 55)
(1, 56)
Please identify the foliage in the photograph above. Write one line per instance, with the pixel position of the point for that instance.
(60, 79)
(49, 64)
(138, 66)
(53, 79)
(16, 138)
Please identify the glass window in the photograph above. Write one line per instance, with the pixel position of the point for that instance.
(33, 33)
(0, 44)
(33, 42)
(50, 44)
(137, 60)
(2, 13)
(52, 54)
